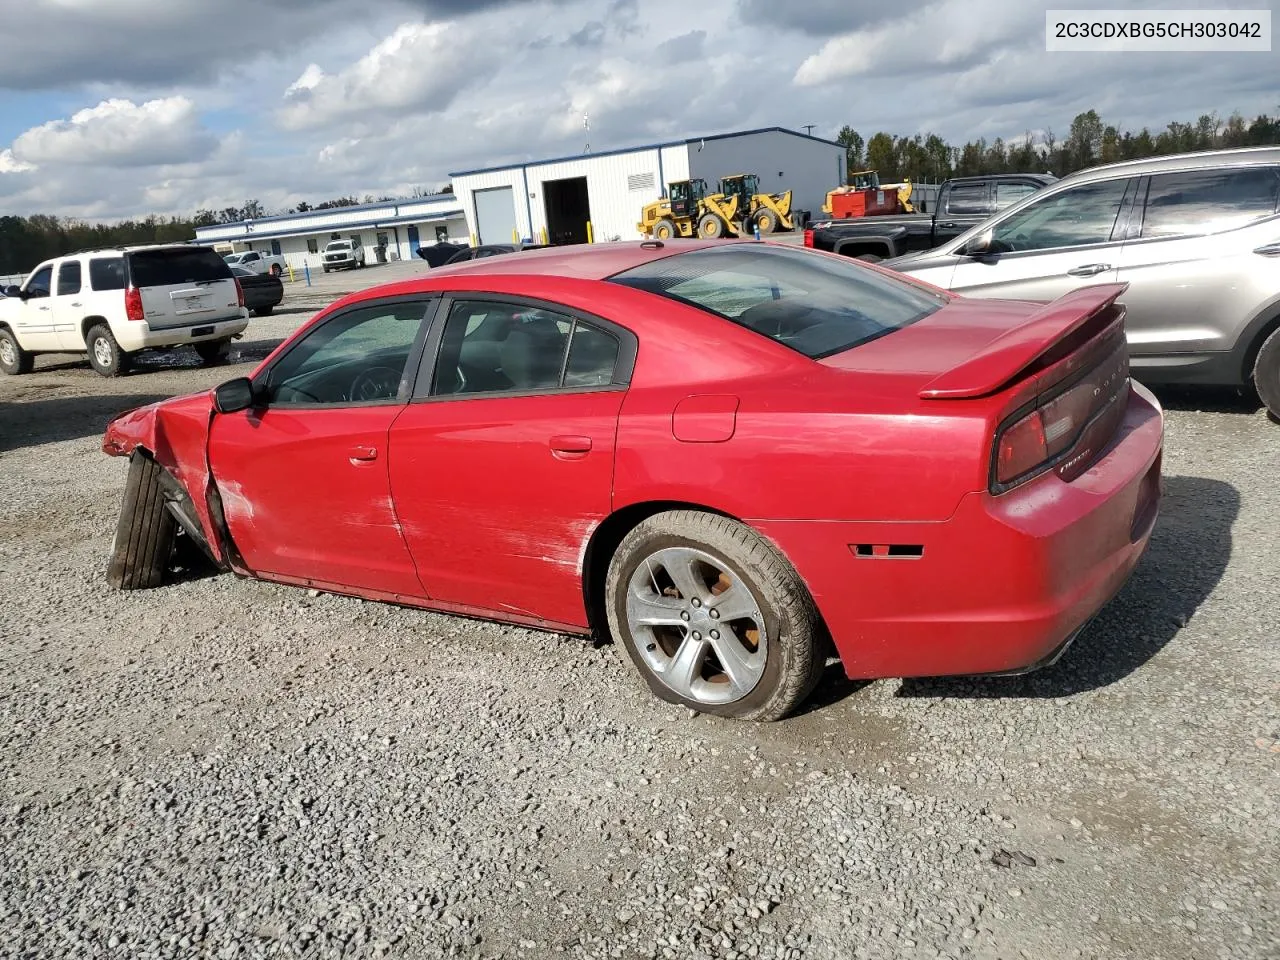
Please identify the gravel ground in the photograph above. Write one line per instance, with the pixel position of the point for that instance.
(222, 768)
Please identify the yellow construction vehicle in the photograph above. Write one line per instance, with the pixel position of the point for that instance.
(688, 210)
(766, 211)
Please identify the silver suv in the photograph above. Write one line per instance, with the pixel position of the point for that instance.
(1196, 236)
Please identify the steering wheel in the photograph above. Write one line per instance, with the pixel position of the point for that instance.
(376, 383)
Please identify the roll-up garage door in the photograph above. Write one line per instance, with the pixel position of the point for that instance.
(495, 214)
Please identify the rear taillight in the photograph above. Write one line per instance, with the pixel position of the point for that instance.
(133, 304)
(1067, 430)
(808, 238)
(1022, 448)
(239, 293)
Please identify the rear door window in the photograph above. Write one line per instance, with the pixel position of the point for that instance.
(69, 278)
(814, 304)
(1008, 193)
(1206, 201)
(168, 268)
(106, 273)
(968, 198)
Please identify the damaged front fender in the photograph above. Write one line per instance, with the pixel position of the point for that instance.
(175, 434)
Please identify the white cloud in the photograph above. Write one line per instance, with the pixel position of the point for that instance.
(119, 133)
(943, 37)
(420, 67)
(11, 164)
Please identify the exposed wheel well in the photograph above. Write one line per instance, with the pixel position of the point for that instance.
(604, 541)
(1251, 352)
(856, 248)
(88, 322)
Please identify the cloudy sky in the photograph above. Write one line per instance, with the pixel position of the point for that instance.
(111, 108)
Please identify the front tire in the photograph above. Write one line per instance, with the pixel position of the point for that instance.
(13, 359)
(105, 355)
(766, 221)
(145, 531)
(275, 270)
(713, 617)
(1266, 374)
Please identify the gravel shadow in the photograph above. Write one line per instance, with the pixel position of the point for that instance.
(1198, 399)
(30, 423)
(1186, 559)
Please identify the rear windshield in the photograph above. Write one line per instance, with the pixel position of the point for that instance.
(164, 268)
(815, 304)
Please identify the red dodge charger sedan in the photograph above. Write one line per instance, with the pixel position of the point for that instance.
(730, 456)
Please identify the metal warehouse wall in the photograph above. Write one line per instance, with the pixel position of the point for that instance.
(618, 185)
(807, 167)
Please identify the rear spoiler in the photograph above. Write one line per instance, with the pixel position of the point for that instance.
(1014, 354)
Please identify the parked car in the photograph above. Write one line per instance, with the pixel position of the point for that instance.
(257, 262)
(438, 253)
(720, 453)
(262, 292)
(962, 203)
(491, 250)
(114, 303)
(343, 254)
(1196, 237)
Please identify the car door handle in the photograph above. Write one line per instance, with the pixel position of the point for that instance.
(570, 446)
(363, 454)
(947, 226)
(1089, 270)
(75, 304)
(1269, 249)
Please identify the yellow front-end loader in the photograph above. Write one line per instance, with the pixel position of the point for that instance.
(688, 210)
(767, 212)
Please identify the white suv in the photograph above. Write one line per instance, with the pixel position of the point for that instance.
(113, 303)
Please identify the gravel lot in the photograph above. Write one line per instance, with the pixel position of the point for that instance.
(222, 768)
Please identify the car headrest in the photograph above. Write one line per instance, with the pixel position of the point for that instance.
(532, 353)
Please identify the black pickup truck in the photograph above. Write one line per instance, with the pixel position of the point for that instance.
(962, 203)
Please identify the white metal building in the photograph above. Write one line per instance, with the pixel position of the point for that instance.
(555, 200)
(397, 226)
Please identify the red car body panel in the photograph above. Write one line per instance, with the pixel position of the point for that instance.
(488, 506)
(498, 497)
(318, 504)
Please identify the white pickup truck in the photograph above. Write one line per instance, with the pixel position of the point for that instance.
(343, 254)
(257, 261)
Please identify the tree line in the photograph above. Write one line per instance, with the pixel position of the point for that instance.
(27, 241)
(1089, 141)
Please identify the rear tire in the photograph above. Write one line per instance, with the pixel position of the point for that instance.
(105, 355)
(1266, 374)
(710, 227)
(213, 352)
(871, 257)
(788, 656)
(262, 311)
(145, 531)
(13, 359)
